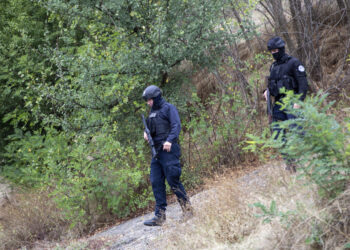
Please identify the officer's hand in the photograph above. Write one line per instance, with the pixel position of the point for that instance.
(145, 136)
(167, 146)
(265, 94)
(296, 106)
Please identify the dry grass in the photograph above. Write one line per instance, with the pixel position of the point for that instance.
(215, 223)
(29, 217)
(327, 226)
(225, 219)
(336, 230)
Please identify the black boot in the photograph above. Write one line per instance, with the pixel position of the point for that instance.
(291, 167)
(187, 209)
(157, 220)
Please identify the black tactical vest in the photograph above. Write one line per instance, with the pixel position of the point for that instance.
(281, 76)
(159, 126)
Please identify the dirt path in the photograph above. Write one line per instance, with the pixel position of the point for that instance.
(232, 193)
(134, 235)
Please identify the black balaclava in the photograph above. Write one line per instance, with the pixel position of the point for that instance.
(278, 56)
(158, 102)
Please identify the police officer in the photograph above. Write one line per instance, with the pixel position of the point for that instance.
(285, 72)
(164, 125)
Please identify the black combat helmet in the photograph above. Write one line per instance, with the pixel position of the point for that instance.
(275, 43)
(151, 92)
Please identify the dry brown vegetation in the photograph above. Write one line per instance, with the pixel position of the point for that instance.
(227, 219)
(28, 217)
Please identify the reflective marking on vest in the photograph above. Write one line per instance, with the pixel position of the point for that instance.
(152, 115)
(301, 68)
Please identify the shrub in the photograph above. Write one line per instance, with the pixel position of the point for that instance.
(28, 217)
(215, 132)
(90, 179)
(315, 141)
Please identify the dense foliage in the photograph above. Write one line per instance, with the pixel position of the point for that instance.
(72, 74)
(314, 141)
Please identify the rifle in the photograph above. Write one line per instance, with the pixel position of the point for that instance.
(269, 105)
(150, 140)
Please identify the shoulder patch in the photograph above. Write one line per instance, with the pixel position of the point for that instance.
(301, 68)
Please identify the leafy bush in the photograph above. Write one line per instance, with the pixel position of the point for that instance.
(215, 132)
(315, 141)
(88, 178)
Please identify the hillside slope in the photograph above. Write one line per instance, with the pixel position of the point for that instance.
(224, 219)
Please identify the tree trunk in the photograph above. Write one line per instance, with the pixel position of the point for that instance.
(244, 85)
(282, 23)
(343, 9)
(313, 58)
(296, 12)
(341, 4)
(239, 20)
(347, 6)
(276, 9)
